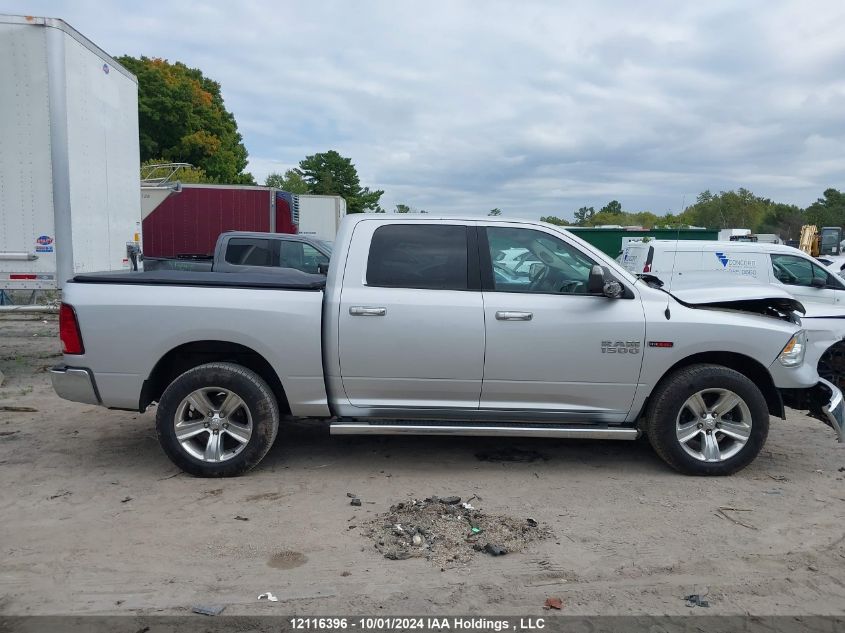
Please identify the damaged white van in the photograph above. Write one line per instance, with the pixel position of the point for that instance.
(799, 274)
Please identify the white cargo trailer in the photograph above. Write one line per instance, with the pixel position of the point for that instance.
(318, 216)
(69, 157)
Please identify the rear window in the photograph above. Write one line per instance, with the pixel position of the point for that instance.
(249, 251)
(418, 256)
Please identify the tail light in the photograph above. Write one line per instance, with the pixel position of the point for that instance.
(647, 268)
(69, 331)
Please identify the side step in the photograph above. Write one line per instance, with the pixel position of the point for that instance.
(542, 430)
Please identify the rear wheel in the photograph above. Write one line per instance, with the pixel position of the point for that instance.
(707, 420)
(217, 420)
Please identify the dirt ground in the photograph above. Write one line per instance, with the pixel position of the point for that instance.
(95, 519)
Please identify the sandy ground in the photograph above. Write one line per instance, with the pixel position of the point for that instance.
(95, 519)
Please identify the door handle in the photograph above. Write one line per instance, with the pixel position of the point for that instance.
(514, 316)
(366, 311)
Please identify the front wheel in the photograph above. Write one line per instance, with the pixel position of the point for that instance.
(217, 420)
(707, 420)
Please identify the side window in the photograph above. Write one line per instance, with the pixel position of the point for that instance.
(249, 251)
(431, 256)
(797, 271)
(304, 257)
(311, 259)
(526, 260)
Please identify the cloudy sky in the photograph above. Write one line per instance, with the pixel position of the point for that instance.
(534, 107)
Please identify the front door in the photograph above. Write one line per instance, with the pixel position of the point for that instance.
(411, 332)
(551, 346)
(805, 280)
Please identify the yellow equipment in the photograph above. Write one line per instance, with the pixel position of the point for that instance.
(809, 241)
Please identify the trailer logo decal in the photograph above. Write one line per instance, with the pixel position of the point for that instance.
(44, 244)
(722, 258)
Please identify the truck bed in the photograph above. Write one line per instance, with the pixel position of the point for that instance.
(278, 279)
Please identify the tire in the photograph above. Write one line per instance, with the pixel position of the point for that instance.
(676, 413)
(217, 420)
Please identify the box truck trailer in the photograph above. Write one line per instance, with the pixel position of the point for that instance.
(188, 223)
(319, 216)
(69, 157)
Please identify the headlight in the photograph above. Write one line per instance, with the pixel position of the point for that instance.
(793, 354)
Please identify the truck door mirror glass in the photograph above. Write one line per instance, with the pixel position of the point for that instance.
(595, 282)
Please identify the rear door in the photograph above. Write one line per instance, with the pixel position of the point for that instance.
(411, 322)
(552, 348)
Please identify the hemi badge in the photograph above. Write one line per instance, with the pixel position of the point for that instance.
(660, 344)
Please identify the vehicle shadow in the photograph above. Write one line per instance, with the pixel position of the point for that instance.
(308, 444)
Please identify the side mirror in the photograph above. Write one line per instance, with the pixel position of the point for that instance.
(323, 268)
(598, 285)
(818, 282)
(595, 282)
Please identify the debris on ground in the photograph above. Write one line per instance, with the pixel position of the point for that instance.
(355, 501)
(208, 609)
(268, 596)
(511, 455)
(2, 378)
(60, 494)
(12, 409)
(696, 600)
(493, 550)
(238, 517)
(553, 603)
(126, 499)
(351, 495)
(779, 478)
(442, 531)
(345, 573)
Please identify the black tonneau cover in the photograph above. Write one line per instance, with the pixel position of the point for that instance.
(279, 279)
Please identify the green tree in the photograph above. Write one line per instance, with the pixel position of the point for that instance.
(496, 211)
(553, 219)
(291, 182)
(329, 173)
(402, 208)
(829, 210)
(584, 215)
(614, 207)
(182, 118)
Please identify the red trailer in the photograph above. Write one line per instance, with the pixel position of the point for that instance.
(190, 221)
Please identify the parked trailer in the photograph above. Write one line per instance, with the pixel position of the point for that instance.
(190, 222)
(320, 216)
(69, 156)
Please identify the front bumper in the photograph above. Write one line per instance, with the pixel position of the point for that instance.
(77, 384)
(823, 401)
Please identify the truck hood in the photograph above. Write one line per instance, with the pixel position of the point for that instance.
(708, 290)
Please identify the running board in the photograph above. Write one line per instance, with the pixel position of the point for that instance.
(583, 432)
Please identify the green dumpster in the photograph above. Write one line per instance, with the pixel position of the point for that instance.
(610, 240)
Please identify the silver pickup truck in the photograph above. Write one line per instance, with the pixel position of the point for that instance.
(423, 326)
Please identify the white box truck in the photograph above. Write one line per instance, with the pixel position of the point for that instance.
(69, 157)
(318, 216)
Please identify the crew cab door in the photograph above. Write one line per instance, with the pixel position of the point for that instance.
(805, 280)
(551, 346)
(411, 322)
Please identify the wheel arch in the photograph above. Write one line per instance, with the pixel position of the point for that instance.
(189, 355)
(745, 365)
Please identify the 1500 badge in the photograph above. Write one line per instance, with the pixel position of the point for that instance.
(620, 347)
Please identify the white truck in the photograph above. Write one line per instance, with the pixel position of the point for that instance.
(421, 328)
(319, 217)
(69, 157)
